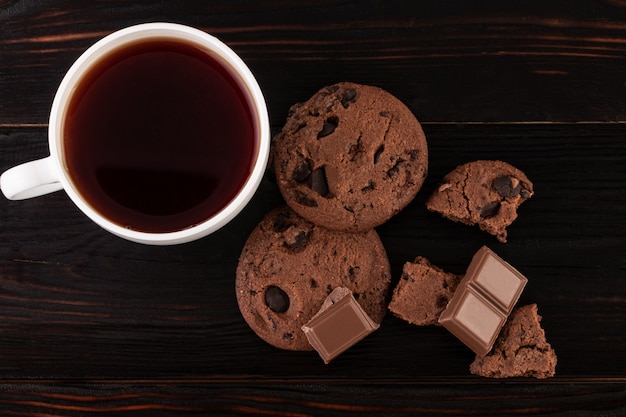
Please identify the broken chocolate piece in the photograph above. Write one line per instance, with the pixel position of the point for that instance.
(302, 171)
(490, 209)
(314, 179)
(482, 301)
(507, 186)
(340, 324)
(317, 181)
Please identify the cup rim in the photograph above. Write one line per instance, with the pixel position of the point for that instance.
(227, 57)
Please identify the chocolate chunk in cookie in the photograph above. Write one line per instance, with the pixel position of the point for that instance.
(289, 266)
(350, 157)
(276, 299)
(483, 193)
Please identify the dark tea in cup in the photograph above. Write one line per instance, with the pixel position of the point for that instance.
(159, 135)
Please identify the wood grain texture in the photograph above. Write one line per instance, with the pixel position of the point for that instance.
(91, 324)
(78, 302)
(493, 61)
(306, 399)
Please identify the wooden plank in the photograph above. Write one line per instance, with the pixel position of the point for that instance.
(77, 302)
(494, 61)
(282, 398)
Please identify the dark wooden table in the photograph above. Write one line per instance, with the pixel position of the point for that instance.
(91, 324)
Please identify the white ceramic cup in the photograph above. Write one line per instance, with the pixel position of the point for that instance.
(50, 174)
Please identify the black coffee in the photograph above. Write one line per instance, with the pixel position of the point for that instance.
(159, 136)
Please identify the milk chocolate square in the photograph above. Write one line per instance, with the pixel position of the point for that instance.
(483, 301)
(480, 319)
(338, 326)
(498, 280)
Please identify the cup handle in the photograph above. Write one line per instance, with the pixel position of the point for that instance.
(30, 179)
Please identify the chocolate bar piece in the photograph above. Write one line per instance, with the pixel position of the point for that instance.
(340, 324)
(483, 301)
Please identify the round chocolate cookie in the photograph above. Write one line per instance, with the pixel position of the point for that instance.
(350, 157)
(484, 193)
(289, 266)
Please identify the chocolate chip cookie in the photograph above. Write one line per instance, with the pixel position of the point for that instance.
(350, 157)
(483, 193)
(289, 266)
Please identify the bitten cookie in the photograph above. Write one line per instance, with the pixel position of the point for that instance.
(423, 292)
(521, 349)
(483, 193)
(289, 266)
(350, 157)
